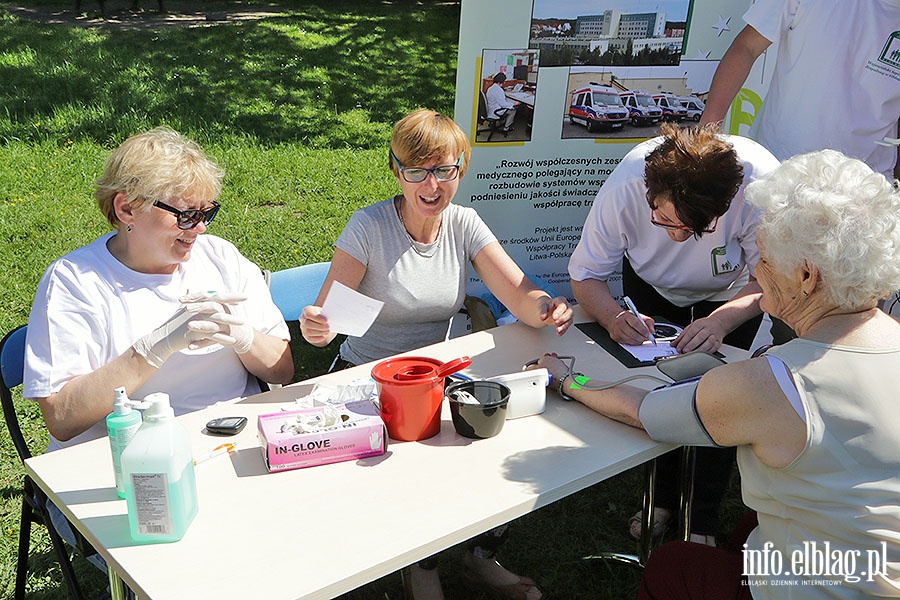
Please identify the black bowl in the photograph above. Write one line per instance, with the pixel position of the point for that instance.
(482, 420)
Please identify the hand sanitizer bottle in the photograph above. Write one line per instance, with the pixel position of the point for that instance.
(158, 470)
(121, 425)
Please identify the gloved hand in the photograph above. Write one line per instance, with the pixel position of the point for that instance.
(204, 319)
(220, 325)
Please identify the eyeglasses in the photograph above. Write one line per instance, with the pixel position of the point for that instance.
(190, 218)
(419, 174)
(673, 227)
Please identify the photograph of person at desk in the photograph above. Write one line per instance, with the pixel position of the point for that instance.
(506, 107)
(673, 215)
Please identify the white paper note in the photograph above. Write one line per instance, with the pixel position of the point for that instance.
(348, 311)
(648, 352)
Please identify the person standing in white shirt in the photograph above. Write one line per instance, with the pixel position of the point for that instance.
(836, 80)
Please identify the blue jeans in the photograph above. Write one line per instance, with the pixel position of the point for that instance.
(64, 529)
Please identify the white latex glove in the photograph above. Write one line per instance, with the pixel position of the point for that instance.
(218, 323)
(204, 320)
(174, 335)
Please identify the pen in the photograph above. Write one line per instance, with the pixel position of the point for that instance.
(217, 451)
(635, 312)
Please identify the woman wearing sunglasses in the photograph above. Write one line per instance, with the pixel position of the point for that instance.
(412, 252)
(154, 305)
(673, 215)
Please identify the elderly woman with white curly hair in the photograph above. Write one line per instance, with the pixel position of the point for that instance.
(814, 420)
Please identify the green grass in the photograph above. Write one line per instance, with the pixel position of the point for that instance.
(298, 109)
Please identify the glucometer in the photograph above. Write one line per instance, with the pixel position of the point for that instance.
(226, 425)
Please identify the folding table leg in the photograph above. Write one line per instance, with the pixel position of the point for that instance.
(688, 461)
(631, 560)
(116, 585)
(688, 458)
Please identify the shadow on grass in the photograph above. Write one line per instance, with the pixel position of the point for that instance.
(45, 580)
(11, 492)
(325, 73)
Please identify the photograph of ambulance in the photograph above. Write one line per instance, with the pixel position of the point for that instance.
(598, 107)
(627, 103)
(672, 110)
(643, 110)
(694, 107)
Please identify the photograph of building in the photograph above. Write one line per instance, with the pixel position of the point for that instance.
(623, 34)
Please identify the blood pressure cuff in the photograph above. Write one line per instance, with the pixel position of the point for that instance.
(669, 414)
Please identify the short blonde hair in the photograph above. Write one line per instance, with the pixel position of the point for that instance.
(159, 164)
(427, 135)
(838, 214)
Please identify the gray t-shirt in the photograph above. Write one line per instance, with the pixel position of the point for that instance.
(421, 290)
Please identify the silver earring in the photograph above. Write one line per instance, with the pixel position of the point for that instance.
(129, 228)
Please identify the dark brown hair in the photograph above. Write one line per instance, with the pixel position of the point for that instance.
(696, 170)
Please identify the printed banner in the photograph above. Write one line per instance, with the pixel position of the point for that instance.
(579, 82)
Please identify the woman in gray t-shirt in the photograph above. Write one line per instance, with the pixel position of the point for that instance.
(412, 252)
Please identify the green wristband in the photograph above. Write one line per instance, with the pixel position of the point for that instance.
(578, 381)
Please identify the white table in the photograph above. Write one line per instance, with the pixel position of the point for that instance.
(322, 531)
(520, 96)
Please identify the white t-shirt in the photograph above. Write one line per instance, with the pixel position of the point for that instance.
(496, 99)
(713, 267)
(89, 309)
(421, 290)
(836, 82)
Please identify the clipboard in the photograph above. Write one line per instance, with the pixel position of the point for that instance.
(596, 332)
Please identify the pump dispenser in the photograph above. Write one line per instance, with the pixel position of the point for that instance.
(121, 425)
(158, 471)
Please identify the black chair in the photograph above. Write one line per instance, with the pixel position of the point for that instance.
(12, 366)
(492, 122)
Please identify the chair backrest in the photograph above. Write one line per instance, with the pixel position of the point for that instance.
(482, 106)
(294, 288)
(12, 373)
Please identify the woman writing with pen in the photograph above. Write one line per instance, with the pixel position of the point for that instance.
(673, 214)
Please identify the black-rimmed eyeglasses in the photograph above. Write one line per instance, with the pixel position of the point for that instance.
(673, 227)
(190, 218)
(419, 174)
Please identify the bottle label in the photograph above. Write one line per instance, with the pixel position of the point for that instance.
(151, 500)
(118, 439)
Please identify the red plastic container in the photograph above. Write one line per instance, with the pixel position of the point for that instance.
(410, 392)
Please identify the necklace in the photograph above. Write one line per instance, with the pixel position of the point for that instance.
(413, 243)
